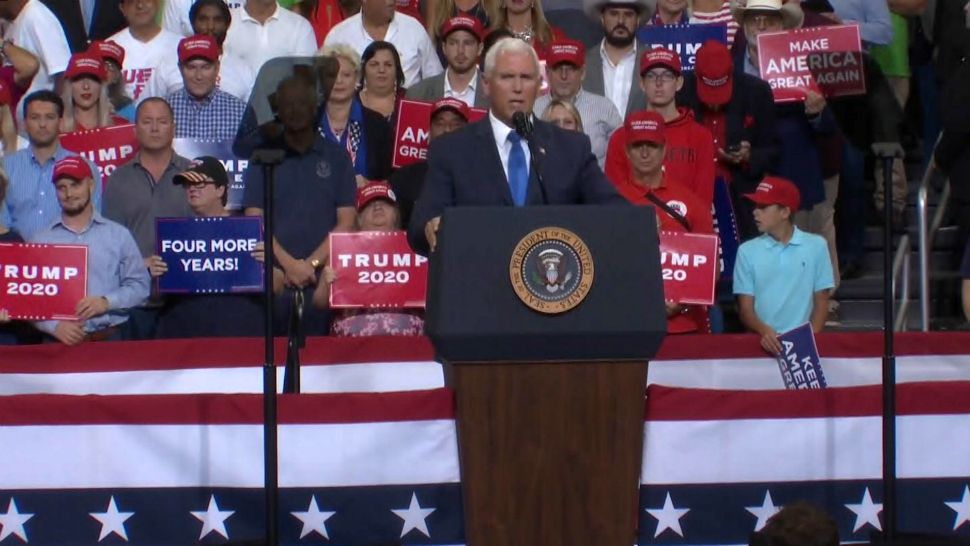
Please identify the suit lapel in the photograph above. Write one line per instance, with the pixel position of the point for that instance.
(481, 101)
(489, 162)
(541, 136)
(633, 104)
(594, 73)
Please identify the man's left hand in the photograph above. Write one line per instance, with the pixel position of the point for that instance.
(91, 306)
(741, 155)
(814, 103)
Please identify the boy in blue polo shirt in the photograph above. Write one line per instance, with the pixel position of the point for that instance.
(783, 278)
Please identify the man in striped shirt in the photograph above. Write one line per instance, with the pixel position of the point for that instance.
(566, 70)
(31, 203)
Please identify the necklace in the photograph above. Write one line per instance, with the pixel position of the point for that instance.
(527, 34)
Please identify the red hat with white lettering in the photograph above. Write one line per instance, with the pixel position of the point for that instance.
(372, 191)
(566, 51)
(86, 64)
(450, 103)
(776, 191)
(108, 50)
(200, 46)
(645, 126)
(462, 22)
(71, 167)
(659, 57)
(713, 73)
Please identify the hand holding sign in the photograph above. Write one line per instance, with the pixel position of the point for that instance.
(208, 255)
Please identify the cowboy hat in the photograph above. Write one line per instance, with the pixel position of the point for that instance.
(645, 8)
(791, 13)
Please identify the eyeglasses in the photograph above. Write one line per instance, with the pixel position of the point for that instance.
(662, 77)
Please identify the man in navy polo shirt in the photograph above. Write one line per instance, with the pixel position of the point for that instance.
(783, 278)
(313, 194)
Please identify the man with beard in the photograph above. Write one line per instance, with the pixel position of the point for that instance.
(611, 68)
(461, 42)
(211, 18)
(31, 205)
(116, 277)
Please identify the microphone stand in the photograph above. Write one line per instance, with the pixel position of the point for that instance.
(269, 158)
(523, 126)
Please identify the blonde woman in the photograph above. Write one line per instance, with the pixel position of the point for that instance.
(563, 114)
(526, 21)
(344, 120)
(86, 102)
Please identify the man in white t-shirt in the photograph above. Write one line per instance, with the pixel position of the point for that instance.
(211, 18)
(146, 44)
(378, 20)
(35, 28)
(261, 30)
(178, 19)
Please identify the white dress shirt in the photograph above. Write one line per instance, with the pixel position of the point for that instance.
(468, 95)
(617, 78)
(284, 34)
(501, 132)
(418, 56)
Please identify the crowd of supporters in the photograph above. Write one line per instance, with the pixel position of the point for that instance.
(701, 145)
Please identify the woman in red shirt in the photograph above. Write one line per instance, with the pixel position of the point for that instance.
(86, 102)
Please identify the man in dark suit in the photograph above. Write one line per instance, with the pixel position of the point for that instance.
(461, 42)
(487, 163)
(611, 68)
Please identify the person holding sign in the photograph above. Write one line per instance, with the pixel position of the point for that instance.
(86, 102)
(487, 163)
(117, 278)
(690, 146)
(783, 278)
(376, 211)
(202, 110)
(206, 186)
(677, 208)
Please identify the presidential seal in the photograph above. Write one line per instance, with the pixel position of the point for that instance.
(551, 270)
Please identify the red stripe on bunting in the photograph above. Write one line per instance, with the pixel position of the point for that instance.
(681, 404)
(204, 353)
(224, 409)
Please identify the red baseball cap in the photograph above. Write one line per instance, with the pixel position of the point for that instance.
(776, 191)
(462, 22)
(5, 96)
(86, 64)
(713, 73)
(645, 126)
(450, 103)
(566, 51)
(108, 50)
(71, 167)
(659, 57)
(372, 191)
(200, 46)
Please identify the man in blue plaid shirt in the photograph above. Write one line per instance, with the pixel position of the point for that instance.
(202, 110)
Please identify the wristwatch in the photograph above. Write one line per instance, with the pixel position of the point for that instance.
(315, 263)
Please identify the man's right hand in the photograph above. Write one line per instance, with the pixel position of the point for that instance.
(69, 332)
(300, 274)
(431, 232)
(770, 343)
(156, 266)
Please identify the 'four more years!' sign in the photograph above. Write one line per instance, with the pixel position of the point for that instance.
(376, 269)
(108, 148)
(683, 40)
(42, 282)
(209, 255)
(827, 60)
(413, 130)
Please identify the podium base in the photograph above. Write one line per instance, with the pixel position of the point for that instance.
(550, 452)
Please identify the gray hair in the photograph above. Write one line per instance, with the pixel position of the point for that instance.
(510, 46)
(342, 51)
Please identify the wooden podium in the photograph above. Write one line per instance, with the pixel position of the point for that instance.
(550, 402)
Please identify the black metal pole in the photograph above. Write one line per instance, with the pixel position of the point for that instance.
(268, 159)
(886, 153)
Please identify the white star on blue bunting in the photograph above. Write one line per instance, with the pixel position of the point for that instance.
(314, 521)
(668, 517)
(112, 521)
(414, 517)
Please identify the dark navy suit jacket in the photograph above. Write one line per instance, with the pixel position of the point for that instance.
(464, 169)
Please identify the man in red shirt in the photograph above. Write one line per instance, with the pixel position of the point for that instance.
(689, 157)
(677, 208)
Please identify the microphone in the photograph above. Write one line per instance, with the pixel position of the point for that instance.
(523, 126)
